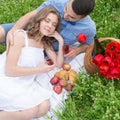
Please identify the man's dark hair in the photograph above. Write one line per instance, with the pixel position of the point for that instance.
(83, 7)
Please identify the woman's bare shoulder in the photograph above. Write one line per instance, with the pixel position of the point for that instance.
(19, 37)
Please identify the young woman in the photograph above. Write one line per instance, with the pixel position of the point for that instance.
(21, 97)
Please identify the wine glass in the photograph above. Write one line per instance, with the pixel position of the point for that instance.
(49, 61)
(66, 49)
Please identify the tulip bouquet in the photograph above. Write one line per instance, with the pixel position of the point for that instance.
(109, 63)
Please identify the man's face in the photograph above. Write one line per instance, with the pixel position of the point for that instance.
(69, 14)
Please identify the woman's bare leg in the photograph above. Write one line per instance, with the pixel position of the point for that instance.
(2, 34)
(19, 115)
(28, 114)
(43, 109)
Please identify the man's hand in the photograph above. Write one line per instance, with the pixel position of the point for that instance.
(9, 41)
(73, 52)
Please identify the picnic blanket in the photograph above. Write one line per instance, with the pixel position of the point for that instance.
(56, 101)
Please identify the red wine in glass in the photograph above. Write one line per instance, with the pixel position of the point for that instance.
(49, 61)
(66, 49)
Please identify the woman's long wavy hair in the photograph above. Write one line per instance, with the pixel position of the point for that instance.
(34, 25)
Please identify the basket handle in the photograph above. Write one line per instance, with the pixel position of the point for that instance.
(109, 38)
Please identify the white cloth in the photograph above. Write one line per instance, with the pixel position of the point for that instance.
(56, 100)
(18, 93)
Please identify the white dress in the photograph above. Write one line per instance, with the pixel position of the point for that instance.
(19, 93)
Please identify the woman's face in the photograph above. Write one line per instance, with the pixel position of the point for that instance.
(48, 25)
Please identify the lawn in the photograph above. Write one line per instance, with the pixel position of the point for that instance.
(93, 97)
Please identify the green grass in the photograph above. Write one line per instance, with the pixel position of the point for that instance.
(107, 17)
(11, 10)
(93, 97)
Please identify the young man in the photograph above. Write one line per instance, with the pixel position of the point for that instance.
(75, 20)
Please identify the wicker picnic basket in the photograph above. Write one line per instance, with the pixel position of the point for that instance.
(90, 67)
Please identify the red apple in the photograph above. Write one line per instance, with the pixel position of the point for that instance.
(81, 37)
(54, 80)
(66, 67)
(57, 88)
(49, 62)
(68, 87)
(62, 82)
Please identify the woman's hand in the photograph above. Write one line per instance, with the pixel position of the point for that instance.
(44, 67)
(58, 37)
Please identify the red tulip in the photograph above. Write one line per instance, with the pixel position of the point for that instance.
(113, 74)
(81, 37)
(104, 69)
(98, 59)
(108, 61)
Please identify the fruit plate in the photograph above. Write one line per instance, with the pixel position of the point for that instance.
(63, 79)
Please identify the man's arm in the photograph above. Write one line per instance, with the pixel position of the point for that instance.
(20, 24)
(23, 21)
